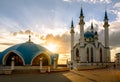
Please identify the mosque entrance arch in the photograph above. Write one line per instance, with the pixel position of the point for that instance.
(45, 60)
(18, 61)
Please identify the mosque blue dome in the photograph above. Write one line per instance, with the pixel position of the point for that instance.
(88, 34)
(27, 52)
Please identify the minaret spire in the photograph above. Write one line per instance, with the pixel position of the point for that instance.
(92, 28)
(81, 11)
(106, 17)
(72, 25)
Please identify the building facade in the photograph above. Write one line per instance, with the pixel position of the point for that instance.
(28, 54)
(117, 59)
(89, 51)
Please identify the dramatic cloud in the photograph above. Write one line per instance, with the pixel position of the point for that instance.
(117, 5)
(62, 40)
(89, 1)
(27, 32)
(115, 28)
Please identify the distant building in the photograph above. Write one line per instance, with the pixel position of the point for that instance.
(89, 51)
(117, 58)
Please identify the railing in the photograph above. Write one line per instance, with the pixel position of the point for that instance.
(95, 64)
(5, 69)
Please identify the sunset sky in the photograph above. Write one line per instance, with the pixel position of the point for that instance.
(49, 22)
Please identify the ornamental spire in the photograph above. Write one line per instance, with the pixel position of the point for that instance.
(29, 37)
(81, 11)
(72, 25)
(92, 28)
(91, 25)
(106, 17)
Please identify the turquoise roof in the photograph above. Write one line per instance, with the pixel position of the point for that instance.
(27, 51)
(89, 34)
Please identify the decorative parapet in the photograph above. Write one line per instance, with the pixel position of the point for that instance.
(5, 71)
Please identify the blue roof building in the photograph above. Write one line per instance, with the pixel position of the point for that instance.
(27, 53)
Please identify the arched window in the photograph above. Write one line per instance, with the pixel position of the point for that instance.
(91, 54)
(77, 55)
(87, 54)
(45, 60)
(18, 61)
(100, 55)
(77, 52)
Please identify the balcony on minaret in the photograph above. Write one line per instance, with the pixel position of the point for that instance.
(81, 22)
(72, 31)
(106, 24)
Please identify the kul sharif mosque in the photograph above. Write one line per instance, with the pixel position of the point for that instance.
(89, 51)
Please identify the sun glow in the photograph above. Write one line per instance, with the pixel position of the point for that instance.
(52, 47)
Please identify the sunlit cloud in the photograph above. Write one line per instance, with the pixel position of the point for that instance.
(52, 47)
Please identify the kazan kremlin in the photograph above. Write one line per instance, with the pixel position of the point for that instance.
(88, 53)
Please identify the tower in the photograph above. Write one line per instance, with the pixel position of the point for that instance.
(106, 25)
(72, 39)
(82, 58)
(81, 23)
(106, 37)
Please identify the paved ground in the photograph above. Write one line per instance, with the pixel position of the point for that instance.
(101, 75)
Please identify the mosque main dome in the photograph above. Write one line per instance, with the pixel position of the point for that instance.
(89, 34)
(27, 53)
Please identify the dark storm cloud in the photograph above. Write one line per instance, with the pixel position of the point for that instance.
(115, 39)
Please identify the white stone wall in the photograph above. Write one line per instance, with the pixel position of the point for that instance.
(89, 46)
(106, 36)
(97, 55)
(103, 53)
(117, 58)
(82, 55)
